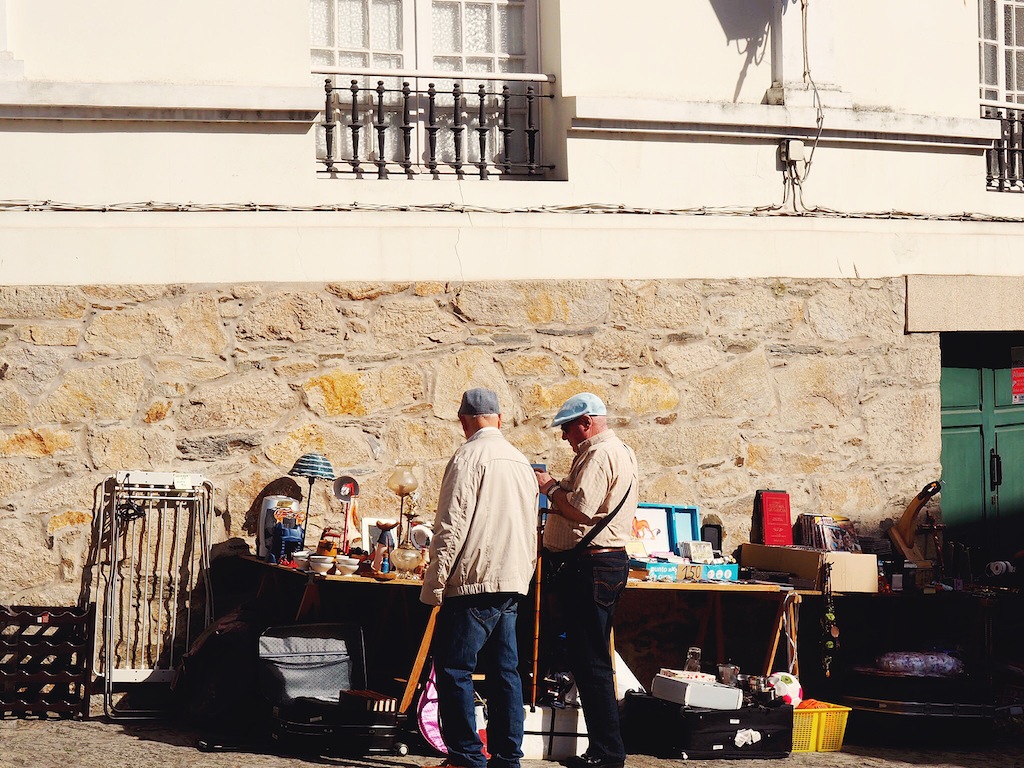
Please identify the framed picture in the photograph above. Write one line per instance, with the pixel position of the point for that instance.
(651, 528)
(682, 523)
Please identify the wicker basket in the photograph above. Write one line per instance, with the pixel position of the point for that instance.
(820, 729)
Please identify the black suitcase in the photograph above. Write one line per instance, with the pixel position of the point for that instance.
(313, 661)
(334, 728)
(665, 729)
(314, 678)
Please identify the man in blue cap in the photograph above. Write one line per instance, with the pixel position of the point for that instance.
(482, 559)
(600, 492)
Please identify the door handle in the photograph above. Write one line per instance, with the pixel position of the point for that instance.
(995, 469)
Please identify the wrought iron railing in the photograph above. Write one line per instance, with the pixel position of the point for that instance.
(386, 124)
(1005, 160)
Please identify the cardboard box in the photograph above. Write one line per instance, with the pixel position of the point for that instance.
(708, 572)
(690, 693)
(851, 571)
(554, 734)
(652, 570)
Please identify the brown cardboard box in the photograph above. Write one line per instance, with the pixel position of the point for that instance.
(851, 571)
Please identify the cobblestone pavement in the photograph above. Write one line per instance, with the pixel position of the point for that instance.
(99, 743)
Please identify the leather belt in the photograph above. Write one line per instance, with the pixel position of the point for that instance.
(591, 551)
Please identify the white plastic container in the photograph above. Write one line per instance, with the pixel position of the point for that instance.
(274, 510)
(694, 694)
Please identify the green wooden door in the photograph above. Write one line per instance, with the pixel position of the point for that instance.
(982, 445)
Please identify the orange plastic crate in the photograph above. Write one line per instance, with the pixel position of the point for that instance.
(820, 729)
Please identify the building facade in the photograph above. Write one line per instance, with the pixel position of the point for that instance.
(777, 237)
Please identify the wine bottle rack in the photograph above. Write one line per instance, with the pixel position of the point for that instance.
(45, 660)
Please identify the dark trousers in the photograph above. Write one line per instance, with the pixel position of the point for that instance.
(465, 626)
(586, 596)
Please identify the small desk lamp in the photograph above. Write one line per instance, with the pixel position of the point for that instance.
(315, 466)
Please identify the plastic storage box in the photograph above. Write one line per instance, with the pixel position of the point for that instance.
(820, 729)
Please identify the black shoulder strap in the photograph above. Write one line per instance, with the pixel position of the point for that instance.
(600, 525)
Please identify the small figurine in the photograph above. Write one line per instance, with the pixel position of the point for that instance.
(384, 545)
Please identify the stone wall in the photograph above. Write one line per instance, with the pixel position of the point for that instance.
(722, 387)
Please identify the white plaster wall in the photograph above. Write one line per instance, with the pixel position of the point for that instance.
(698, 140)
(86, 248)
(914, 56)
(186, 41)
(696, 51)
(112, 163)
(116, 163)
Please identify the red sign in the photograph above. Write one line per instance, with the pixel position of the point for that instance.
(1017, 386)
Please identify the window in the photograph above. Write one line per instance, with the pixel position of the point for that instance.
(1001, 69)
(1001, 50)
(440, 124)
(443, 35)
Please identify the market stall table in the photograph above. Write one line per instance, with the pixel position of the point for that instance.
(399, 607)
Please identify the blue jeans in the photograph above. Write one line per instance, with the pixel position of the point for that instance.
(465, 627)
(587, 596)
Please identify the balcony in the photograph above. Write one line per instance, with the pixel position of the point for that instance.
(434, 125)
(1005, 160)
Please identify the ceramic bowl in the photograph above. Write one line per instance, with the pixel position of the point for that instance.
(345, 566)
(301, 559)
(320, 563)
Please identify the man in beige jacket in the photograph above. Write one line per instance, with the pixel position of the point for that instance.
(482, 559)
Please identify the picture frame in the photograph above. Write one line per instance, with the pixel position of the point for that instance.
(682, 523)
(651, 528)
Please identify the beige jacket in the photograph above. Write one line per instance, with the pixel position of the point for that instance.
(485, 531)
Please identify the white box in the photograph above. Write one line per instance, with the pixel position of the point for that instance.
(694, 694)
(696, 551)
(554, 734)
(693, 677)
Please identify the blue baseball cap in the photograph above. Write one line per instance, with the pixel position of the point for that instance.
(583, 404)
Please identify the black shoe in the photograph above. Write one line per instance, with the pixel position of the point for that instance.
(595, 761)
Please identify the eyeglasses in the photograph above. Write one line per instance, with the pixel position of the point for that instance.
(565, 427)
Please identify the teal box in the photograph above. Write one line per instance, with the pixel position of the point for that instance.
(721, 572)
(655, 571)
(709, 572)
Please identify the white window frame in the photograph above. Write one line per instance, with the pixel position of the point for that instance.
(417, 38)
(992, 43)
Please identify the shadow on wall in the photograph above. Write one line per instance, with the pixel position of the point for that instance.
(283, 486)
(746, 23)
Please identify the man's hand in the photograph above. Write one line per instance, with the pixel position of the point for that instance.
(543, 478)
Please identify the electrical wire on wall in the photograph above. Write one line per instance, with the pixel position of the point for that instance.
(819, 116)
(796, 164)
(761, 211)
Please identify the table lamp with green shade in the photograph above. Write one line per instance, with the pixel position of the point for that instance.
(313, 466)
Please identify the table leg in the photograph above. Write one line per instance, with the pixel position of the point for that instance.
(418, 664)
(777, 629)
(793, 625)
(309, 605)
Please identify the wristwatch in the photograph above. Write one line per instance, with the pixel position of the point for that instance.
(552, 488)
